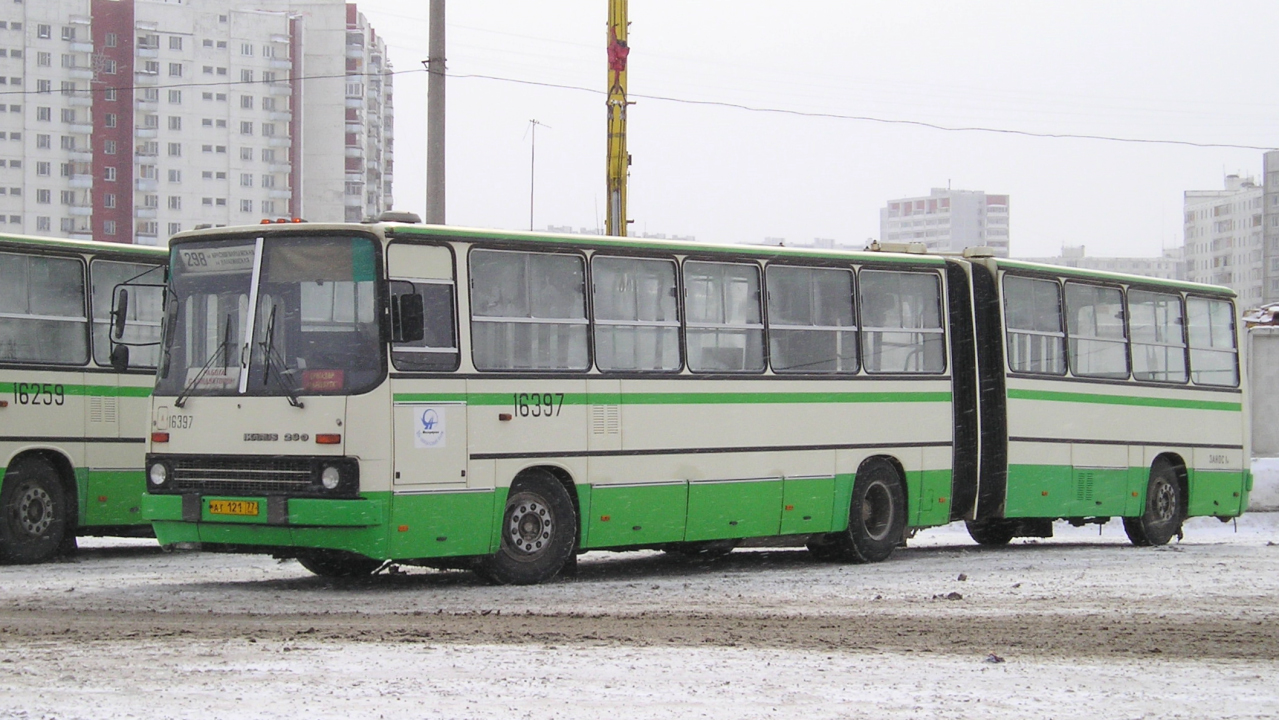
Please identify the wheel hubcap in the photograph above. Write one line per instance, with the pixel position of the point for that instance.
(877, 511)
(530, 527)
(1164, 502)
(34, 510)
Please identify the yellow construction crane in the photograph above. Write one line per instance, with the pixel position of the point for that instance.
(619, 160)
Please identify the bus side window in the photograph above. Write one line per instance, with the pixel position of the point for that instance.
(636, 316)
(437, 350)
(1032, 312)
(811, 326)
(901, 322)
(528, 311)
(725, 324)
(1211, 325)
(1095, 323)
(42, 310)
(1158, 342)
(143, 321)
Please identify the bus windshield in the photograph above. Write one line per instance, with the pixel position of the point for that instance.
(285, 316)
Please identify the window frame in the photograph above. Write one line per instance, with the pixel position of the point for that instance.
(156, 281)
(1126, 341)
(1007, 330)
(678, 324)
(392, 277)
(1234, 341)
(85, 321)
(585, 321)
(855, 328)
(1132, 344)
(686, 325)
(943, 319)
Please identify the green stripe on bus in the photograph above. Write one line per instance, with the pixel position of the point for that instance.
(722, 398)
(87, 390)
(1095, 398)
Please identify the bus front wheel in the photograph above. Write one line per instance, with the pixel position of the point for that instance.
(539, 529)
(33, 513)
(1164, 509)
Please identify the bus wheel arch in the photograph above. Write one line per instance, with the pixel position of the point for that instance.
(38, 507)
(539, 528)
(1164, 511)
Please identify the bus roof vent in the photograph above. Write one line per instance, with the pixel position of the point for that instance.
(979, 252)
(914, 248)
(400, 216)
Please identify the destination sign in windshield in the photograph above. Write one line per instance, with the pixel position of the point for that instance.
(204, 261)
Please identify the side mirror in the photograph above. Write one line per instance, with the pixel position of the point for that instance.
(408, 318)
(120, 358)
(119, 313)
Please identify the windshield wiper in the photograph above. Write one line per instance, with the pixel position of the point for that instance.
(273, 360)
(225, 349)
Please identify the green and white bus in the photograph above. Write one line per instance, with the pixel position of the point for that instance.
(73, 409)
(355, 394)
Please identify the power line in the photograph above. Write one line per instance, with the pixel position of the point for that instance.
(872, 119)
(677, 100)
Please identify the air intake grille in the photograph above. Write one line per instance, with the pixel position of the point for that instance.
(243, 476)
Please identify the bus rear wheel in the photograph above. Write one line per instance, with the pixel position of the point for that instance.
(338, 563)
(992, 533)
(33, 513)
(539, 531)
(876, 518)
(1164, 509)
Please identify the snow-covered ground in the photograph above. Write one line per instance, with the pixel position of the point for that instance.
(1086, 626)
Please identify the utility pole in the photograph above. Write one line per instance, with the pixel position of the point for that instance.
(435, 117)
(532, 167)
(619, 161)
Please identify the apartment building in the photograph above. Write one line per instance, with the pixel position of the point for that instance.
(948, 220)
(1270, 231)
(130, 120)
(1223, 238)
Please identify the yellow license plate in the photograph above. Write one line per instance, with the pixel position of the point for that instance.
(233, 507)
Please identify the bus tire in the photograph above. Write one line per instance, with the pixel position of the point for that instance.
(992, 533)
(34, 513)
(1165, 509)
(338, 563)
(539, 532)
(824, 549)
(876, 516)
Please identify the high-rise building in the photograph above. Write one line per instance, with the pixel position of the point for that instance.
(1169, 266)
(130, 120)
(1270, 231)
(948, 220)
(1223, 238)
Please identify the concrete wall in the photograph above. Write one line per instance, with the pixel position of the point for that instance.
(1263, 372)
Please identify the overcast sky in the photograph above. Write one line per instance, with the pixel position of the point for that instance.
(1201, 72)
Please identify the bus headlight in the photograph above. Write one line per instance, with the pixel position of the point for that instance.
(157, 475)
(330, 477)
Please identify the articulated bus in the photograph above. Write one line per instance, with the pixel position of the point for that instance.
(73, 409)
(349, 395)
